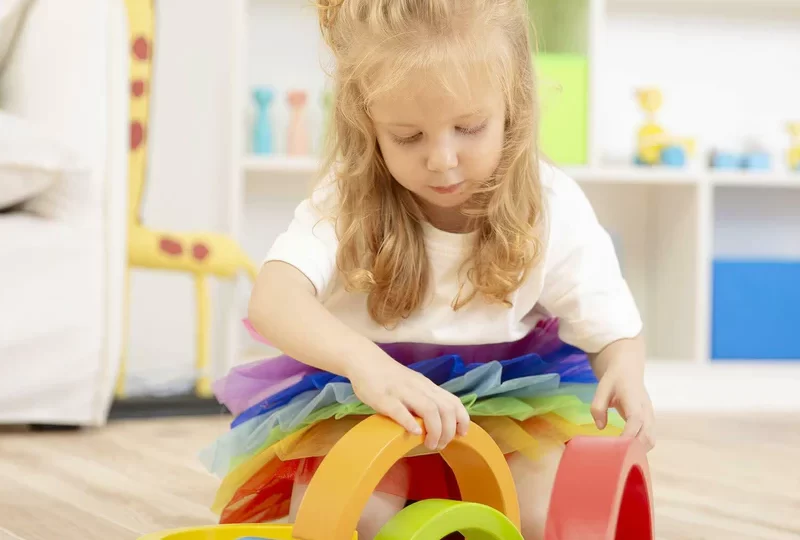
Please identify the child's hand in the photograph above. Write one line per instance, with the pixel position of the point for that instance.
(623, 389)
(400, 393)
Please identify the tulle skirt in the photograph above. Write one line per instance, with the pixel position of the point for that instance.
(528, 395)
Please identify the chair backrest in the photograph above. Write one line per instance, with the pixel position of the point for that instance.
(141, 24)
(352, 469)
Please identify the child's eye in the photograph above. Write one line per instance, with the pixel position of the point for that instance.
(407, 140)
(473, 129)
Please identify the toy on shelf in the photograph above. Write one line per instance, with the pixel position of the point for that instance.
(262, 129)
(297, 137)
(794, 146)
(754, 158)
(654, 145)
(618, 505)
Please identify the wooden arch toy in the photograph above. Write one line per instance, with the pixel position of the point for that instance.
(602, 492)
(359, 460)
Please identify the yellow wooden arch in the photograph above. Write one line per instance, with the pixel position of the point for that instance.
(352, 469)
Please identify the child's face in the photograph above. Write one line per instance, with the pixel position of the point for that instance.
(437, 145)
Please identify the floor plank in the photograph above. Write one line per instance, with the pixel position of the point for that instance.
(715, 478)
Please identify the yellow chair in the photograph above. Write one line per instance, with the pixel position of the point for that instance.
(200, 254)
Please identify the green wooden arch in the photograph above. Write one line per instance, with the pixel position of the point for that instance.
(434, 519)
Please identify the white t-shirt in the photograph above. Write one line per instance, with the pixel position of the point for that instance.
(578, 280)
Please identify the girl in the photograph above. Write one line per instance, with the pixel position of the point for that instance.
(437, 241)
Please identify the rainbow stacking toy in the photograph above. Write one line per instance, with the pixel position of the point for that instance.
(602, 491)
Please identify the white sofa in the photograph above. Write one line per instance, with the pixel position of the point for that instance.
(62, 276)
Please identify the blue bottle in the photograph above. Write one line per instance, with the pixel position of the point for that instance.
(262, 129)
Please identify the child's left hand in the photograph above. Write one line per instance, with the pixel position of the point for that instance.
(623, 388)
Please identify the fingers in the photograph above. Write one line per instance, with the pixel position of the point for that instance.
(455, 418)
(426, 408)
(398, 412)
(647, 434)
(633, 422)
(600, 403)
(447, 411)
(639, 422)
(462, 417)
(443, 414)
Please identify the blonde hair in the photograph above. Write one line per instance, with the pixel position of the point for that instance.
(376, 44)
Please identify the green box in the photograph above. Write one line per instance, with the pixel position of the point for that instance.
(563, 82)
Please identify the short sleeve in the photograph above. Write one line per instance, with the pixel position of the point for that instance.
(583, 283)
(309, 244)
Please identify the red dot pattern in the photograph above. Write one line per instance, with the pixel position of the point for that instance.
(200, 251)
(137, 88)
(170, 246)
(141, 48)
(137, 135)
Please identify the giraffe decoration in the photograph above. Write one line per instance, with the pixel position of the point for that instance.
(201, 254)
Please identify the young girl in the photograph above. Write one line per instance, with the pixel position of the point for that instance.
(432, 274)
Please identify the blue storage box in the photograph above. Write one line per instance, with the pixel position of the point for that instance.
(756, 310)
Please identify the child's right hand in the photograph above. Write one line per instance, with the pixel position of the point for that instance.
(400, 393)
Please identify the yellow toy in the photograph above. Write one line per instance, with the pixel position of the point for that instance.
(654, 145)
(618, 505)
(794, 146)
(201, 254)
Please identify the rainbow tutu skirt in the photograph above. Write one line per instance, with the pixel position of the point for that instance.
(528, 395)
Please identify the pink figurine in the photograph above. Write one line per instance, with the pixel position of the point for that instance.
(297, 138)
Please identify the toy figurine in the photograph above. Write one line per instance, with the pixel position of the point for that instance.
(723, 159)
(654, 145)
(794, 146)
(297, 138)
(262, 129)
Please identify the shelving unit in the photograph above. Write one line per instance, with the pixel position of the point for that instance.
(671, 224)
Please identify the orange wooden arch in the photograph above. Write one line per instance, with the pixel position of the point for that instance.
(602, 492)
(348, 475)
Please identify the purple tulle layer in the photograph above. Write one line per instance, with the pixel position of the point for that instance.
(251, 383)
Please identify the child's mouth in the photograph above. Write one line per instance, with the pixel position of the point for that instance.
(444, 190)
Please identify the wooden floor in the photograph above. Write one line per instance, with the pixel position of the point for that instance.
(714, 478)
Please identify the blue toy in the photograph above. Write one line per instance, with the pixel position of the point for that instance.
(756, 161)
(673, 156)
(262, 130)
(724, 160)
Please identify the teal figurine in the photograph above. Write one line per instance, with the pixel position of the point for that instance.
(262, 129)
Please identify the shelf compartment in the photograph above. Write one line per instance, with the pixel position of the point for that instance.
(756, 306)
(756, 274)
(655, 229)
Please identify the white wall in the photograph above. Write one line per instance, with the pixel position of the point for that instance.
(186, 187)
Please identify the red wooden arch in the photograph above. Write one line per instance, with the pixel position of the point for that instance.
(602, 492)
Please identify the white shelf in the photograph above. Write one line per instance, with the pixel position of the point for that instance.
(724, 387)
(755, 179)
(766, 8)
(309, 165)
(281, 164)
(633, 175)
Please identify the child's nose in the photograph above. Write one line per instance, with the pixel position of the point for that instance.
(443, 156)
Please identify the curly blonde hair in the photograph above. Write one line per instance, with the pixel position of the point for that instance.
(376, 45)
